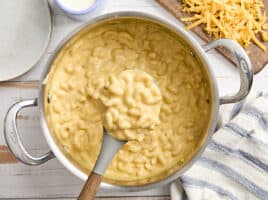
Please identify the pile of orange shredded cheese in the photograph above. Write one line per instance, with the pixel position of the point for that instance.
(240, 20)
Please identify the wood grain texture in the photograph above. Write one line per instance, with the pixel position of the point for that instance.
(91, 187)
(19, 84)
(258, 57)
(6, 156)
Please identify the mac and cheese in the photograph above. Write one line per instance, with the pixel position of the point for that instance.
(129, 100)
(112, 47)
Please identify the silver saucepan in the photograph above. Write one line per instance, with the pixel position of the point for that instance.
(246, 76)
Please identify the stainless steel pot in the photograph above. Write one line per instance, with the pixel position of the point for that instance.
(243, 64)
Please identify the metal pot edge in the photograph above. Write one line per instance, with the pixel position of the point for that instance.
(190, 41)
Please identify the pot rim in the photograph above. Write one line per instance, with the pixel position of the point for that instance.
(185, 36)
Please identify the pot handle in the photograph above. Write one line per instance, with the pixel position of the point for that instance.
(244, 66)
(13, 139)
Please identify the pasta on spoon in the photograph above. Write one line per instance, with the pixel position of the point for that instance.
(130, 102)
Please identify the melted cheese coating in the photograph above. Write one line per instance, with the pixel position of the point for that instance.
(129, 100)
(112, 47)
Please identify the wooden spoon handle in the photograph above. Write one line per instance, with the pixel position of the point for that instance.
(91, 187)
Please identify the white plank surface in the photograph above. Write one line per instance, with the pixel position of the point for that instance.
(52, 180)
(112, 198)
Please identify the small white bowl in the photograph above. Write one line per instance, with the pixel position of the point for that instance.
(81, 14)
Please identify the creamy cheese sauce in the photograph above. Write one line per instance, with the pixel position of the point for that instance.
(130, 102)
(111, 47)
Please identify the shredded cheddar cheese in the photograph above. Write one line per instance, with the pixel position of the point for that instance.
(240, 20)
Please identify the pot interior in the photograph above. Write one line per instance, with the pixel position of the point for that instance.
(112, 45)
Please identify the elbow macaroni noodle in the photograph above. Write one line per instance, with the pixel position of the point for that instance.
(131, 101)
(112, 48)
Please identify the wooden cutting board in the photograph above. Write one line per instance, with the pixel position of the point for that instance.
(258, 57)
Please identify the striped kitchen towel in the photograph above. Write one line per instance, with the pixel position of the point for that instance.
(235, 163)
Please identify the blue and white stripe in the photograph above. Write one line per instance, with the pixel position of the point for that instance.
(235, 163)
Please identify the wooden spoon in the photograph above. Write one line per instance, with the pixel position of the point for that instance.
(109, 148)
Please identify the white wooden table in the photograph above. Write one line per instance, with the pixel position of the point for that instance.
(52, 180)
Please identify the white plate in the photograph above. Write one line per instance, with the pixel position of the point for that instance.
(25, 30)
